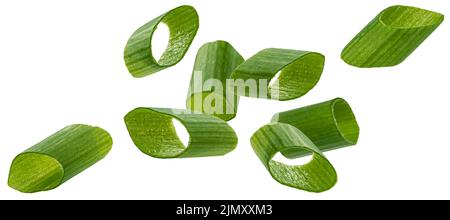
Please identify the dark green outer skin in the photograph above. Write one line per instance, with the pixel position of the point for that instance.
(76, 148)
(380, 45)
(208, 135)
(318, 123)
(216, 60)
(183, 23)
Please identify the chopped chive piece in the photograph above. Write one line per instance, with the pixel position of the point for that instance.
(299, 72)
(208, 90)
(316, 176)
(58, 158)
(391, 37)
(329, 125)
(153, 132)
(183, 25)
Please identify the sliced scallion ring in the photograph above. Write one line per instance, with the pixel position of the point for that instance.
(209, 91)
(318, 175)
(58, 158)
(299, 72)
(329, 125)
(153, 132)
(183, 24)
(391, 37)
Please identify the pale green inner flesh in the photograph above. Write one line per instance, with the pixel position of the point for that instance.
(409, 17)
(213, 104)
(297, 78)
(182, 23)
(154, 133)
(345, 121)
(32, 172)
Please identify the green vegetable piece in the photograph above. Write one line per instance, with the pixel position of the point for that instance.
(209, 91)
(183, 25)
(299, 72)
(316, 176)
(58, 158)
(391, 37)
(329, 125)
(153, 132)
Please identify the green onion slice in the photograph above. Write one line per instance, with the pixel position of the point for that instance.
(299, 72)
(329, 125)
(183, 24)
(153, 132)
(58, 158)
(391, 37)
(209, 90)
(316, 176)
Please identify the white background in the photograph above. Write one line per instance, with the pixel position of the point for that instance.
(61, 63)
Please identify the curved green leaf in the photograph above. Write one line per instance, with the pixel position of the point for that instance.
(316, 176)
(208, 90)
(183, 24)
(153, 132)
(391, 37)
(58, 158)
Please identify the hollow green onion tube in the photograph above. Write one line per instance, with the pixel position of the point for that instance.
(299, 71)
(329, 125)
(391, 37)
(58, 158)
(153, 132)
(209, 90)
(183, 24)
(318, 175)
